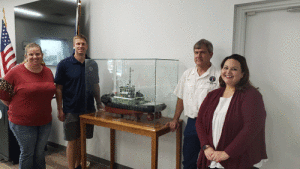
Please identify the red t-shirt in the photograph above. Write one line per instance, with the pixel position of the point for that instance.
(31, 103)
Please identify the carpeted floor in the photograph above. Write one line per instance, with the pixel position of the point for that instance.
(55, 159)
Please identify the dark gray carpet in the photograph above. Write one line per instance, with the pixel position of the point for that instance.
(55, 159)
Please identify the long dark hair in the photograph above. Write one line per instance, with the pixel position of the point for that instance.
(244, 83)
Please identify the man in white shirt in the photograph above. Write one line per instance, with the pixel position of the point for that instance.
(191, 90)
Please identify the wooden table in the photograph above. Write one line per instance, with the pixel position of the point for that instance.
(143, 127)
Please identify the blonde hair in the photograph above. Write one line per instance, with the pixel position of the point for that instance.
(80, 36)
(32, 45)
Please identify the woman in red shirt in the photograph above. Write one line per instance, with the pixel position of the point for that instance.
(231, 121)
(27, 89)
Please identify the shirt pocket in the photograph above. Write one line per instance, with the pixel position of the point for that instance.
(209, 87)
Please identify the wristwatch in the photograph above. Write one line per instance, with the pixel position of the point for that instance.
(205, 147)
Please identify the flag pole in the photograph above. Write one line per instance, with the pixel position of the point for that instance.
(4, 17)
(78, 17)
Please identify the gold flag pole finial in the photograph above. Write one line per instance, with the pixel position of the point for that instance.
(4, 17)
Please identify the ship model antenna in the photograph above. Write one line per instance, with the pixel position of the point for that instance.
(129, 76)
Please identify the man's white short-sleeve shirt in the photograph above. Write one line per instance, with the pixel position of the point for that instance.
(192, 88)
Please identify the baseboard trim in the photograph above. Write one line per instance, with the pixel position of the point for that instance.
(91, 157)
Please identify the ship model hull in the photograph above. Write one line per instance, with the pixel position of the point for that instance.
(125, 107)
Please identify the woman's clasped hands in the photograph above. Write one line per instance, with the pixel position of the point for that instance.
(217, 156)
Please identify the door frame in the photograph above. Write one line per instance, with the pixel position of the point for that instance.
(241, 11)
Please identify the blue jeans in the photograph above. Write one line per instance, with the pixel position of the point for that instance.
(191, 145)
(32, 141)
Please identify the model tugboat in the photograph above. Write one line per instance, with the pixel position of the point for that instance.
(129, 102)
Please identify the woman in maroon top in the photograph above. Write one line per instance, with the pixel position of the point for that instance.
(231, 121)
(28, 89)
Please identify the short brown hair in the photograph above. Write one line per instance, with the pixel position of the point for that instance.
(80, 36)
(206, 43)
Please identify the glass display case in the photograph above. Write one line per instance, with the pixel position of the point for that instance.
(136, 89)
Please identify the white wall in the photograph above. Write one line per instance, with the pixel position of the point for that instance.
(155, 29)
(146, 29)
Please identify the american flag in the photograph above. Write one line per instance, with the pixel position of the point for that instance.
(8, 57)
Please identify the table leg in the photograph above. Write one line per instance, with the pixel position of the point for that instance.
(112, 147)
(83, 144)
(154, 151)
(178, 146)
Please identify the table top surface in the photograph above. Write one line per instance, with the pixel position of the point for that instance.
(102, 116)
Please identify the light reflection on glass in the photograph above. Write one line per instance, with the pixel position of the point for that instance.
(28, 12)
(52, 50)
